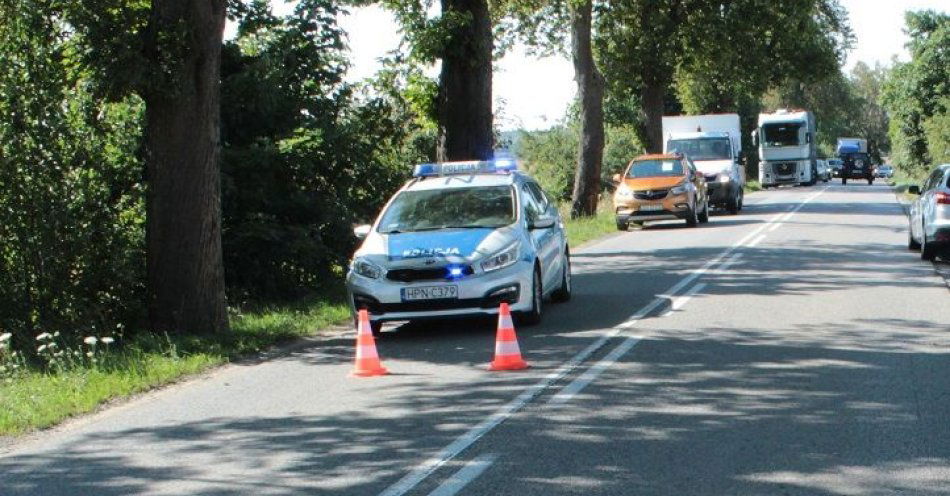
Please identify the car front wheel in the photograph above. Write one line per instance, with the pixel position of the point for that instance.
(533, 316)
(563, 293)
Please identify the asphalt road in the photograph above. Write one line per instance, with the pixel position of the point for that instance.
(797, 348)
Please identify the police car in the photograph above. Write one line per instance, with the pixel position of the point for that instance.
(459, 239)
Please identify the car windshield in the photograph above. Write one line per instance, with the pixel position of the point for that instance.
(702, 148)
(781, 134)
(462, 208)
(655, 168)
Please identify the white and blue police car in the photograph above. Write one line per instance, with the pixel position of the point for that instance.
(459, 239)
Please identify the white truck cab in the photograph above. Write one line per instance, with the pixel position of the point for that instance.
(787, 149)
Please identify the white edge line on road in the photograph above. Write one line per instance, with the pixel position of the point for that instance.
(465, 475)
(426, 468)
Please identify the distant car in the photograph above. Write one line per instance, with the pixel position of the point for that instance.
(885, 171)
(824, 171)
(457, 240)
(835, 165)
(661, 187)
(930, 215)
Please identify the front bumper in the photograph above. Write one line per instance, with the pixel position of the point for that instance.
(479, 294)
(720, 193)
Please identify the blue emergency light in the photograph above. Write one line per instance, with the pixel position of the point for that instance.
(498, 166)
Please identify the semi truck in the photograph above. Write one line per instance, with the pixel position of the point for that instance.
(787, 149)
(856, 164)
(713, 142)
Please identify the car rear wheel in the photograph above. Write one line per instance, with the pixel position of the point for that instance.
(912, 243)
(563, 293)
(927, 250)
(622, 226)
(533, 316)
(692, 219)
(704, 215)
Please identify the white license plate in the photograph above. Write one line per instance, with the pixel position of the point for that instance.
(650, 208)
(430, 293)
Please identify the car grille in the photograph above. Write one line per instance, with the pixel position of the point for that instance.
(785, 168)
(426, 274)
(651, 195)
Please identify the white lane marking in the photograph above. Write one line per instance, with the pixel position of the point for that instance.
(755, 241)
(465, 475)
(594, 371)
(681, 302)
(426, 468)
(729, 263)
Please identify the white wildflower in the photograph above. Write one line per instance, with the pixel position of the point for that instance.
(91, 340)
(56, 334)
(89, 354)
(43, 336)
(5, 337)
(41, 348)
(108, 340)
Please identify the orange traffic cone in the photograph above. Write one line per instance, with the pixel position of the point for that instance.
(367, 360)
(507, 352)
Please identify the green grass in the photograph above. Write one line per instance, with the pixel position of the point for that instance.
(37, 399)
(752, 186)
(582, 230)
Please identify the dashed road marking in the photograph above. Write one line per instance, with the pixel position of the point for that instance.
(465, 475)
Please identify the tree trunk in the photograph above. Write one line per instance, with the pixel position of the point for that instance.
(465, 86)
(183, 203)
(590, 94)
(653, 95)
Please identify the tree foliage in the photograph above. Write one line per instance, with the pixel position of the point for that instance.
(71, 195)
(917, 94)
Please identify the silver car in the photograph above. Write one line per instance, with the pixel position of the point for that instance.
(930, 215)
(458, 240)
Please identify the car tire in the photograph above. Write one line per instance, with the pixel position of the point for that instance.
(692, 219)
(844, 180)
(563, 293)
(704, 216)
(623, 226)
(870, 182)
(912, 243)
(927, 251)
(733, 205)
(533, 316)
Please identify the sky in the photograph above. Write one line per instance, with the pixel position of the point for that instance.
(532, 93)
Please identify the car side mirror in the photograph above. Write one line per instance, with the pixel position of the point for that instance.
(361, 232)
(617, 178)
(543, 222)
(914, 189)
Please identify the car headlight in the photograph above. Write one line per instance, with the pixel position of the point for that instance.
(679, 189)
(724, 177)
(624, 192)
(367, 269)
(502, 259)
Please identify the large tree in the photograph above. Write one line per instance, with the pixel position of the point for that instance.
(183, 233)
(168, 52)
(460, 37)
(590, 98)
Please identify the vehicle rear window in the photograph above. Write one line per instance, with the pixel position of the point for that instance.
(655, 168)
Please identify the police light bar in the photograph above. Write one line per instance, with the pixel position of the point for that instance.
(498, 166)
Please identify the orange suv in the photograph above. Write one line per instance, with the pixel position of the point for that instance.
(660, 187)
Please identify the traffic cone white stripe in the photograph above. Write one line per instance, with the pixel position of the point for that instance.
(367, 352)
(507, 348)
(505, 322)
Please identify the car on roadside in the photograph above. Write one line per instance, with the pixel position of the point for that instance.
(836, 165)
(457, 240)
(930, 215)
(884, 171)
(660, 187)
(824, 172)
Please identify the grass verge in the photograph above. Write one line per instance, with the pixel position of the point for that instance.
(35, 399)
(752, 186)
(582, 230)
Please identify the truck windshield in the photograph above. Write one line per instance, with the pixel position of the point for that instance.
(460, 208)
(702, 148)
(655, 168)
(781, 134)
